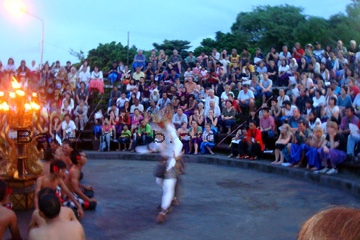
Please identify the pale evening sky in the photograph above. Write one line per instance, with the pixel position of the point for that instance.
(82, 25)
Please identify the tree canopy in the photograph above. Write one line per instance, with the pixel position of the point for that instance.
(263, 27)
(169, 45)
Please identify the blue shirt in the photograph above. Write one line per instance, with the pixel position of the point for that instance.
(344, 102)
(140, 58)
(337, 90)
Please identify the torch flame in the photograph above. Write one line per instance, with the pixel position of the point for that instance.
(20, 92)
(5, 106)
(1, 94)
(27, 106)
(12, 94)
(34, 94)
(35, 106)
(15, 83)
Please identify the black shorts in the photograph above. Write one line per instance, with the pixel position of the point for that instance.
(280, 146)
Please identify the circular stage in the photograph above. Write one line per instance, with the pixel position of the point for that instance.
(218, 202)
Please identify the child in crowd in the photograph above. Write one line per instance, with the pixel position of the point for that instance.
(106, 134)
(208, 141)
(124, 138)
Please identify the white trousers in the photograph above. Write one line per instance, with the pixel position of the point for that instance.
(168, 187)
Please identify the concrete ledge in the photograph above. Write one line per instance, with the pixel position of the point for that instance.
(346, 185)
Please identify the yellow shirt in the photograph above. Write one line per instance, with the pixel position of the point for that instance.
(137, 76)
(251, 67)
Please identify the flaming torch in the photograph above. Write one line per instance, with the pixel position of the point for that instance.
(23, 166)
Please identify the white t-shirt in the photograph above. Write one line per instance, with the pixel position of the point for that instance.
(98, 75)
(217, 56)
(87, 69)
(243, 96)
(224, 95)
(120, 102)
(308, 84)
(328, 113)
(284, 68)
(356, 101)
(33, 68)
(84, 77)
(215, 99)
(140, 107)
(69, 128)
(318, 102)
(290, 112)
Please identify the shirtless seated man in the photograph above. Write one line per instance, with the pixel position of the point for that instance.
(7, 217)
(63, 153)
(37, 221)
(56, 228)
(49, 155)
(85, 196)
(53, 181)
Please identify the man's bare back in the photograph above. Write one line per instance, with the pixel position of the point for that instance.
(65, 214)
(8, 220)
(58, 230)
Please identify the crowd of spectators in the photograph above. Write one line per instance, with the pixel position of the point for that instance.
(307, 122)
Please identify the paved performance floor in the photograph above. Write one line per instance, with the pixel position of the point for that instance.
(218, 202)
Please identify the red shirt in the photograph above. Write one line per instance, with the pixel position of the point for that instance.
(300, 51)
(256, 134)
(355, 89)
(211, 79)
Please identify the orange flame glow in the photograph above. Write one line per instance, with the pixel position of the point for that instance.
(5, 106)
(27, 106)
(15, 83)
(12, 94)
(1, 94)
(34, 94)
(35, 106)
(20, 92)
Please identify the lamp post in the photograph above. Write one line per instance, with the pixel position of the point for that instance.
(42, 35)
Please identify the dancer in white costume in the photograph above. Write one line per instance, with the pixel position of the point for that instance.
(169, 167)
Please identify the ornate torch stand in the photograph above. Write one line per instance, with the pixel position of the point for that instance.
(21, 159)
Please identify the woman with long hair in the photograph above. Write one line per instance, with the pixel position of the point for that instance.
(189, 110)
(162, 58)
(96, 81)
(283, 73)
(316, 141)
(196, 117)
(280, 144)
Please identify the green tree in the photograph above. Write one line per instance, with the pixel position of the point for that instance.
(346, 27)
(312, 30)
(169, 45)
(222, 41)
(268, 26)
(105, 54)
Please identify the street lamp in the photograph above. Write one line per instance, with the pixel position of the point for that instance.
(42, 34)
(17, 6)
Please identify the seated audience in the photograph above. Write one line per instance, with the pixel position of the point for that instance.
(333, 150)
(252, 146)
(284, 138)
(207, 142)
